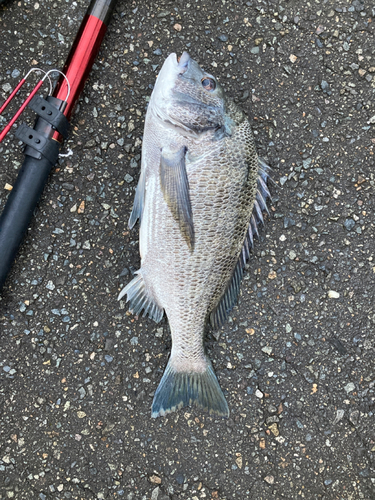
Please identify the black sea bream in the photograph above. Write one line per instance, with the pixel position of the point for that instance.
(200, 197)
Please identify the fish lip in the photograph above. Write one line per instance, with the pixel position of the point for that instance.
(183, 62)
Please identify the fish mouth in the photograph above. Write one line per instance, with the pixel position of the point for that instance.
(183, 62)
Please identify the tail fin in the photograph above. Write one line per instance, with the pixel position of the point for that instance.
(178, 389)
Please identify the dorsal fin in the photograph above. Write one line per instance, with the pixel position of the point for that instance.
(227, 301)
(221, 312)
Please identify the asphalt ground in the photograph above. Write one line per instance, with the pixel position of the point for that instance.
(296, 358)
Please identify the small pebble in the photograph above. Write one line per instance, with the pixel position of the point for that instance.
(349, 224)
(283, 180)
(155, 493)
(269, 479)
(325, 86)
(50, 285)
(155, 479)
(180, 478)
(349, 387)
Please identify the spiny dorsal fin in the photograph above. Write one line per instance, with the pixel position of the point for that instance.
(175, 188)
(229, 298)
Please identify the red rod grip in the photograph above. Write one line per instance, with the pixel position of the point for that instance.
(80, 60)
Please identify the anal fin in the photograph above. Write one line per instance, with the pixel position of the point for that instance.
(140, 298)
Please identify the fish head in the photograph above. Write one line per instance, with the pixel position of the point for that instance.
(187, 98)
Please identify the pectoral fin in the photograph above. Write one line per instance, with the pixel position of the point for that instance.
(175, 188)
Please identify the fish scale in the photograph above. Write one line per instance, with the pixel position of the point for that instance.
(199, 200)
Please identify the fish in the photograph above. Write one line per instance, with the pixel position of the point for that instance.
(200, 198)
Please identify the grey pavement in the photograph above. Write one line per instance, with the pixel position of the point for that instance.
(296, 358)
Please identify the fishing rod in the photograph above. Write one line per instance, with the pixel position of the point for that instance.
(43, 141)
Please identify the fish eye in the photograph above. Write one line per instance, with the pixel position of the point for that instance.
(208, 83)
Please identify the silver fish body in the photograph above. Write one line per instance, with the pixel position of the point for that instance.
(200, 198)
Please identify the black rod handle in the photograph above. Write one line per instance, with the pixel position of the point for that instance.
(19, 209)
(23, 198)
